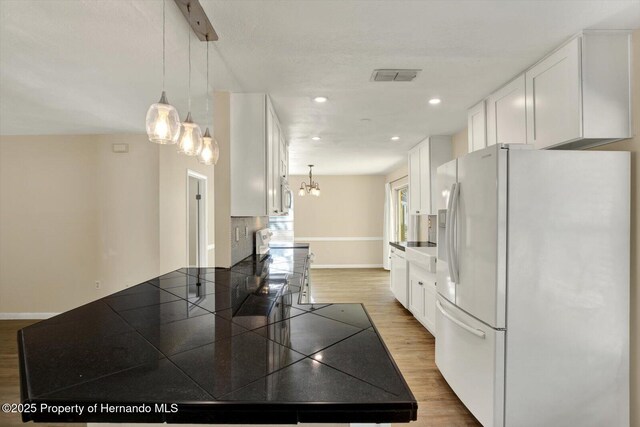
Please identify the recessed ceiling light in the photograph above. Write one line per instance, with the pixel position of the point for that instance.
(435, 101)
(395, 138)
(315, 138)
(320, 99)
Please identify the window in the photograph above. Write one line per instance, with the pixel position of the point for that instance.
(402, 213)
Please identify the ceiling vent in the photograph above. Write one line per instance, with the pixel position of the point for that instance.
(389, 75)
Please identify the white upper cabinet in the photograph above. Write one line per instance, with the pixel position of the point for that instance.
(424, 159)
(256, 139)
(414, 180)
(554, 97)
(506, 114)
(477, 126)
(579, 95)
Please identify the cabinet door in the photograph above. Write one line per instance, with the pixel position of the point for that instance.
(554, 100)
(392, 275)
(416, 293)
(476, 120)
(506, 114)
(272, 138)
(414, 181)
(425, 177)
(399, 278)
(430, 305)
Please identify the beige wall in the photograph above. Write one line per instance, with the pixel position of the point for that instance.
(127, 193)
(173, 169)
(349, 208)
(398, 174)
(460, 143)
(72, 212)
(633, 145)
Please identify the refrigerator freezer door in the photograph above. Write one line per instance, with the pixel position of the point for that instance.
(445, 180)
(471, 357)
(480, 244)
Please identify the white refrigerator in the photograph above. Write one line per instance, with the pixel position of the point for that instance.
(532, 324)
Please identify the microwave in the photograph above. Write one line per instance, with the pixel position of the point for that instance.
(286, 196)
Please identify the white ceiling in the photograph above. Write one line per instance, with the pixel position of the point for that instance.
(87, 66)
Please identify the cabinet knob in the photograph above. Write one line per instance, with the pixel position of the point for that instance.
(420, 283)
(417, 211)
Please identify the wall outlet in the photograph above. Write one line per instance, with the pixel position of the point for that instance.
(97, 284)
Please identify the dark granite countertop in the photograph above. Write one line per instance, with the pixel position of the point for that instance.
(403, 245)
(223, 345)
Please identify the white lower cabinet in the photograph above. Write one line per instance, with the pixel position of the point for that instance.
(422, 296)
(398, 276)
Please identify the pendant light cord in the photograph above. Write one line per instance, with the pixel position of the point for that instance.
(189, 33)
(207, 93)
(164, 23)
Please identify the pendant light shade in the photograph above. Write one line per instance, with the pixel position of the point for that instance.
(210, 150)
(163, 122)
(190, 142)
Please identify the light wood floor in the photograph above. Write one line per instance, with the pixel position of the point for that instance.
(411, 345)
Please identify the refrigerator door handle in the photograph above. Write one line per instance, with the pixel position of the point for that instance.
(474, 331)
(449, 231)
(453, 255)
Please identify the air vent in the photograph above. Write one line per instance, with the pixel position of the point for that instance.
(394, 75)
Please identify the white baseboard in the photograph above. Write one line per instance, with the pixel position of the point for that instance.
(314, 266)
(26, 316)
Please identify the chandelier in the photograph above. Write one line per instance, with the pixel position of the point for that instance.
(312, 187)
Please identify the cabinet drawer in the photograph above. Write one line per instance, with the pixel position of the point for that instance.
(470, 356)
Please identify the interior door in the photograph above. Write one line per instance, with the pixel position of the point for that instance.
(194, 208)
(480, 243)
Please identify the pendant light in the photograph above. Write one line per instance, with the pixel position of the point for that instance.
(210, 150)
(163, 122)
(313, 187)
(190, 142)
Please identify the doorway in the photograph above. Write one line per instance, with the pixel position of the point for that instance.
(196, 219)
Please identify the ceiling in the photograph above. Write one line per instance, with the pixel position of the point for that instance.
(86, 66)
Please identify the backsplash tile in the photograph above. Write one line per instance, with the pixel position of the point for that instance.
(245, 246)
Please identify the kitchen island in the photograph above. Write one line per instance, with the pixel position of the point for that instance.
(213, 345)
